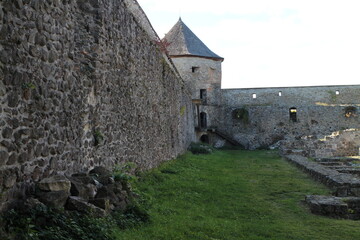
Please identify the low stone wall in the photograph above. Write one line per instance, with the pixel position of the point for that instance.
(343, 184)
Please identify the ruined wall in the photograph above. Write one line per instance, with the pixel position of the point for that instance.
(83, 84)
(338, 144)
(320, 111)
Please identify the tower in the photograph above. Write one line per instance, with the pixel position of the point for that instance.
(201, 69)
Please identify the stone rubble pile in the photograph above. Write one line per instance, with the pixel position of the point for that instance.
(96, 192)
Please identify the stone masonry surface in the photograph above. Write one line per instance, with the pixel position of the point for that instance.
(82, 84)
(319, 112)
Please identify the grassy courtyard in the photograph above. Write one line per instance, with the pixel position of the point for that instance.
(234, 195)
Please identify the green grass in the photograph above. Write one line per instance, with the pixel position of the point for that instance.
(234, 195)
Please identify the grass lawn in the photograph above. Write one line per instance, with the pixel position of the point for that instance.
(234, 195)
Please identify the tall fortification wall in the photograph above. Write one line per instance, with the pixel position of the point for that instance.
(319, 111)
(83, 84)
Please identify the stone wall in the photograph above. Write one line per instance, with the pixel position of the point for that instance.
(320, 111)
(82, 84)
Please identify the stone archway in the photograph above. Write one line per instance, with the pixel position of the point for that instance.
(205, 139)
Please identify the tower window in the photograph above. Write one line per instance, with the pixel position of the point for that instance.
(203, 95)
(254, 95)
(280, 94)
(337, 92)
(293, 112)
(194, 69)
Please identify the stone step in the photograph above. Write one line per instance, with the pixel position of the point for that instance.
(342, 167)
(337, 159)
(349, 170)
(331, 163)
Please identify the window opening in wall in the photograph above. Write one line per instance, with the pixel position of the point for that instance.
(203, 95)
(254, 95)
(293, 112)
(280, 94)
(350, 111)
(205, 139)
(203, 121)
(337, 92)
(194, 69)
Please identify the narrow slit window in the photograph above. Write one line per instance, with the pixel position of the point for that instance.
(254, 95)
(280, 94)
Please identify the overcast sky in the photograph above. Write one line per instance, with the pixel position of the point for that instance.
(272, 43)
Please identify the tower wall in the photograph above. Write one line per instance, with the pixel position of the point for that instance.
(202, 74)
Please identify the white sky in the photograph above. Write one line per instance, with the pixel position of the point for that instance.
(272, 43)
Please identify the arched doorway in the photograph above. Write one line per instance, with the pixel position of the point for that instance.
(293, 112)
(204, 139)
(203, 121)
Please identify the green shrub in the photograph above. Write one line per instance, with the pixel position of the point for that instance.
(200, 148)
(241, 114)
(124, 172)
(231, 147)
(98, 138)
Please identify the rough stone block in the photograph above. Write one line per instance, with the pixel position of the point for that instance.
(56, 199)
(55, 183)
(337, 207)
(80, 205)
(102, 203)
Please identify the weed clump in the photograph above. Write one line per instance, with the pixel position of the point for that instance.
(44, 223)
